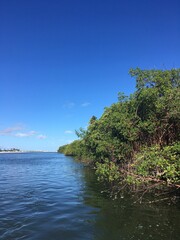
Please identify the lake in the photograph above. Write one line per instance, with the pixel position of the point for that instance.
(48, 196)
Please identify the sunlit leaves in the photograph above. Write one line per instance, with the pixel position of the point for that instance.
(137, 137)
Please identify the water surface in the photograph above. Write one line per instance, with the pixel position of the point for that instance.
(47, 196)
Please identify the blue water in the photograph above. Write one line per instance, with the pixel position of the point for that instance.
(47, 196)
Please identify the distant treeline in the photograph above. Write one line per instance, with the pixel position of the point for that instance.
(136, 141)
(10, 150)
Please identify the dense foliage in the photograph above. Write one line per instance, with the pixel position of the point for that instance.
(137, 139)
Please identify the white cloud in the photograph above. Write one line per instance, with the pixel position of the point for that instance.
(25, 134)
(19, 132)
(69, 132)
(85, 104)
(69, 105)
(10, 130)
(41, 136)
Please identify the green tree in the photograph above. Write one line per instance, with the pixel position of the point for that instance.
(136, 139)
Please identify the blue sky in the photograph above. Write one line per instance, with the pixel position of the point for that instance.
(62, 61)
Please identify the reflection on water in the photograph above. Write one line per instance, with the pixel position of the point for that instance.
(49, 196)
(122, 219)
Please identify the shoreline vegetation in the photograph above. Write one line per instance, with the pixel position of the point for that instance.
(11, 150)
(135, 144)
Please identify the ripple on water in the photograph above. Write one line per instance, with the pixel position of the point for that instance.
(51, 197)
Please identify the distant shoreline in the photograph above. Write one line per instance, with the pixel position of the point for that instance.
(10, 152)
(26, 152)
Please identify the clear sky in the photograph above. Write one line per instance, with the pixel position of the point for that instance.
(62, 61)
